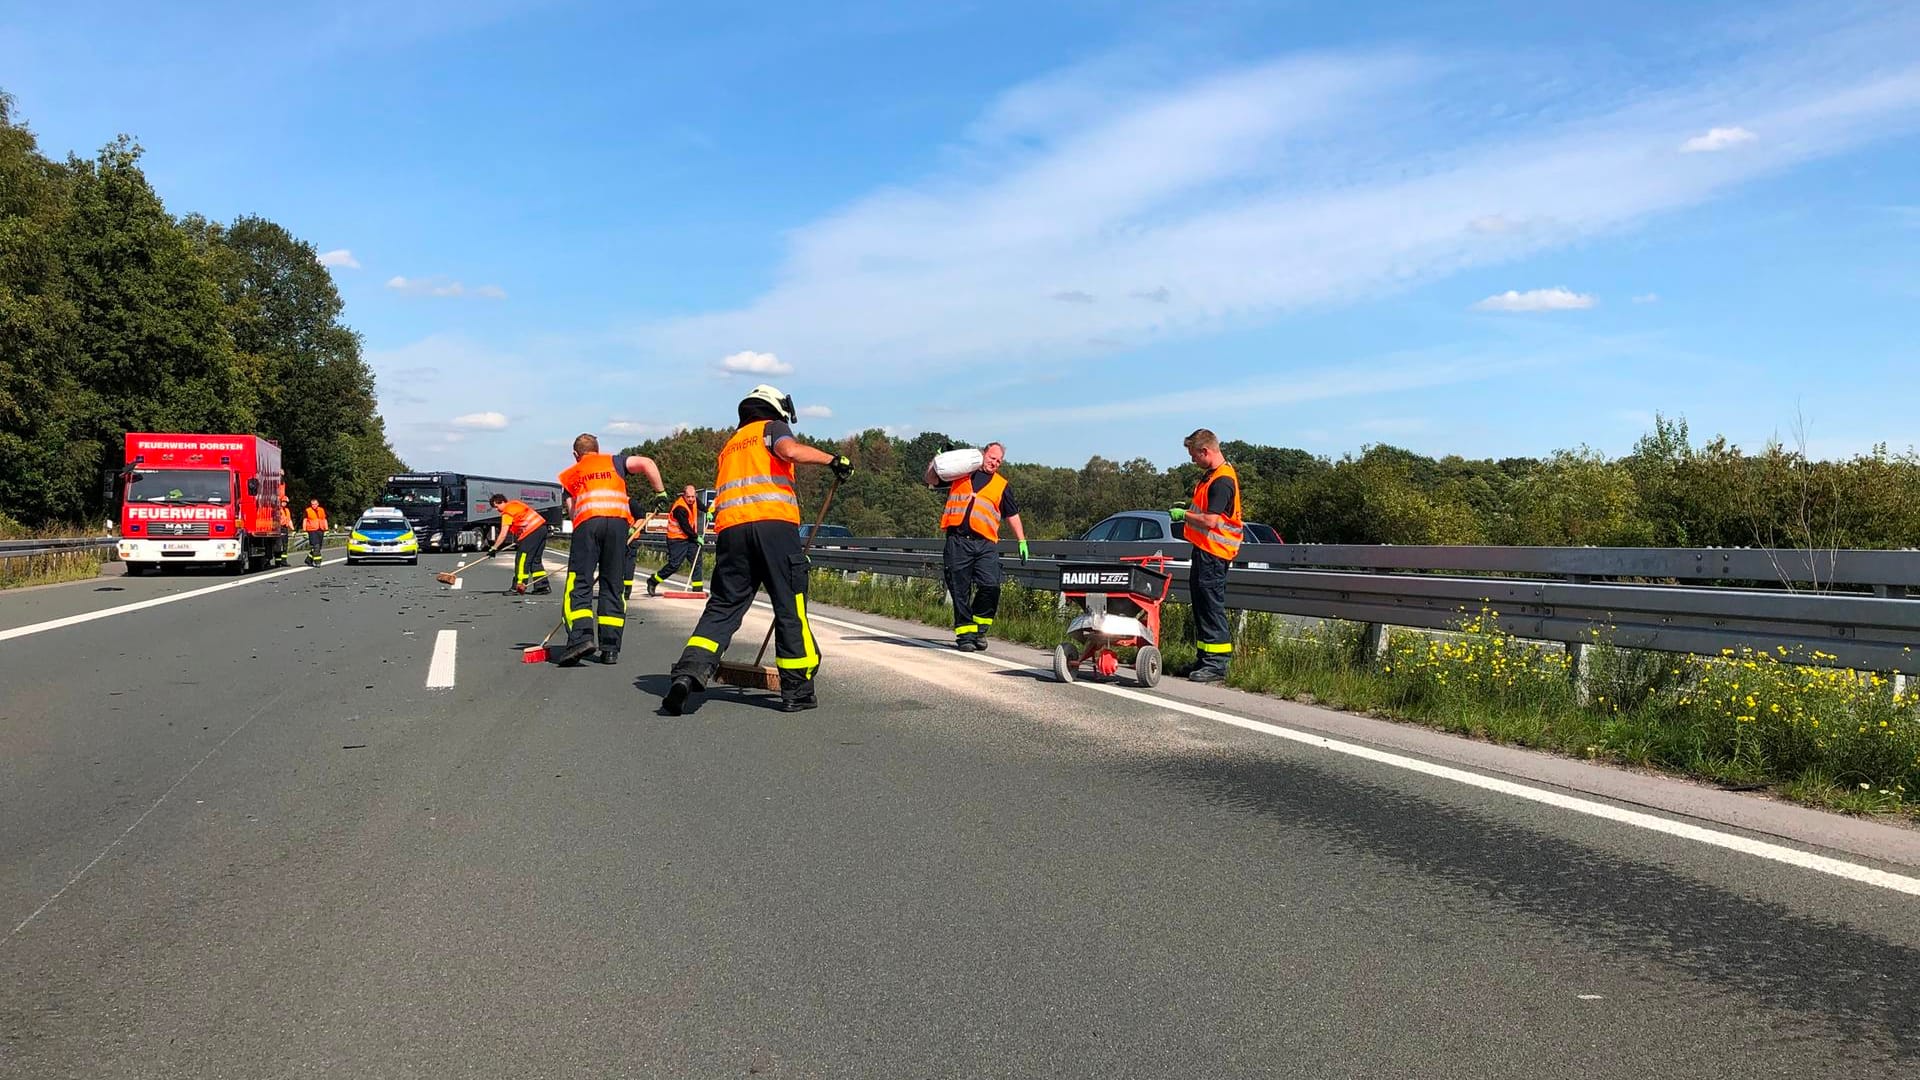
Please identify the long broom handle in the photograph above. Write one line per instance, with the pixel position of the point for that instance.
(804, 548)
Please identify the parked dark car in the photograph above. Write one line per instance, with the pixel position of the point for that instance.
(825, 532)
(1152, 525)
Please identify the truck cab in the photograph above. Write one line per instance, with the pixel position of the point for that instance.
(200, 500)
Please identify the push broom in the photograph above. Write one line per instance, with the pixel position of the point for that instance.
(754, 676)
(450, 576)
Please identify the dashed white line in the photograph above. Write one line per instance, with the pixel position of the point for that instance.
(141, 605)
(440, 668)
(1806, 860)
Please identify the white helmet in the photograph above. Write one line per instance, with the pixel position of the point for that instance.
(772, 396)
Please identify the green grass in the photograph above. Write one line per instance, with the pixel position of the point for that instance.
(1826, 737)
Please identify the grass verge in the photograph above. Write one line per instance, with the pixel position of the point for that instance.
(48, 569)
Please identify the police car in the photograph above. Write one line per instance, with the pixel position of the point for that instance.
(382, 533)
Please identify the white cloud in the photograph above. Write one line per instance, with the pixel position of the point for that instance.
(340, 257)
(1720, 138)
(438, 286)
(1647, 298)
(481, 421)
(754, 363)
(1262, 190)
(816, 412)
(1555, 299)
(642, 428)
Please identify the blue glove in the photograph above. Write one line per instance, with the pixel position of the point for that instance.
(1178, 514)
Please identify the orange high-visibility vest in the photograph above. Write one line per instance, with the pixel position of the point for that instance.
(753, 484)
(1223, 540)
(518, 519)
(315, 520)
(674, 529)
(286, 518)
(978, 510)
(597, 490)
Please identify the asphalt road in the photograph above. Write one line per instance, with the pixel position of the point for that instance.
(241, 836)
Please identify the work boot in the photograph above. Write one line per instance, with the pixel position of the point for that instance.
(1207, 675)
(575, 652)
(979, 643)
(796, 693)
(609, 657)
(964, 644)
(653, 587)
(677, 694)
(540, 588)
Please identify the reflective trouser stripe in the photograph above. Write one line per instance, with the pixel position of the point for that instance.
(812, 659)
(573, 614)
(969, 628)
(983, 620)
(612, 620)
(1204, 647)
(708, 644)
(520, 568)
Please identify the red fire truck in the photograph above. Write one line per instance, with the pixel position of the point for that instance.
(196, 500)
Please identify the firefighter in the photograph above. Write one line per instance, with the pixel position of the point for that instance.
(976, 505)
(285, 525)
(314, 525)
(683, 536)
(1214, 529)
(596, 486)
(527, 528)
(756, 523)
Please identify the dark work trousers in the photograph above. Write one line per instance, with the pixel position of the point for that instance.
(973, 578)
(316, 539)
(746, 558)
(529, 551)
(633, 558)
(1212, 633)
(681, 551)
(598, 551)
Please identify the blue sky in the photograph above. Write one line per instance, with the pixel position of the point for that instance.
(1081, 227)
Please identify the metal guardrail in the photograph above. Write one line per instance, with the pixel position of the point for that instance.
(24, 549)
(1681, 600)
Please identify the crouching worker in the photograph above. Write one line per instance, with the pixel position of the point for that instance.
(527, 528)
(596, 486)
(756, 522)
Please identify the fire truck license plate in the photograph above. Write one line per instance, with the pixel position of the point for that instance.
(176, 547)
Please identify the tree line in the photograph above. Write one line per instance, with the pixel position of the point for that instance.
(1668, 492)
(117, 316)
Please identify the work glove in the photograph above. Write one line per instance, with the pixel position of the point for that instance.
(1178, 514)
(842, 466)
(1023, 551)
(662, 500)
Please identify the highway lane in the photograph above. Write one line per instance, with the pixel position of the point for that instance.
(953, 868)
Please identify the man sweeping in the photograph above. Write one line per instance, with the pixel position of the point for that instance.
(527, 528)
(596, 487)
(756, 523)
(976, 505)
(683, 535)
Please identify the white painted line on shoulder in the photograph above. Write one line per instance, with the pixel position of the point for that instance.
(142, 605)
(1780, 853)
(440, 668)
(457, 582)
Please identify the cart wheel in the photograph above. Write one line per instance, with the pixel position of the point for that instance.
(1065, 659)
(1146, 666)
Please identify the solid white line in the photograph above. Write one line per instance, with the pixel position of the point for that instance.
(457, 582)
(136, 821)
(440, 668)
(1806, 860)
(141, 605)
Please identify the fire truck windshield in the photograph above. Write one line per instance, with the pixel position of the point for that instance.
(180, 486)
(411, 495)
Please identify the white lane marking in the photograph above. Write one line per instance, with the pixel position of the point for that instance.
(262, 711)
(457, 582)
(1806, 860)
(440, 668)
(140, 605)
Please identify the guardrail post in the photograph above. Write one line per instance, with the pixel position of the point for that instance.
(1894, 592)
(1378, 638)
(1580, 670)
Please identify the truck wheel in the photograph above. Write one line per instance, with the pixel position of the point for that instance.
(140, 569)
